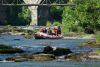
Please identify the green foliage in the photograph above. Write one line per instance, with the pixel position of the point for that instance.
(98, 37)
(56, 24)
(25, 15)
(97, 51)
(56, 11)
(83, 15)
(53, 24)
(49, 23)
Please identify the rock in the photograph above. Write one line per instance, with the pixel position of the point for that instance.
(91, 43)
(8, 49)
(61, 51)
(16, 59)
(74, 56)
(43, 57)
(48, 49)
(16, 39)
(89, 30)
(93, 55)
(36, 57)
(57, 51)
(83, 56)
(28, 36)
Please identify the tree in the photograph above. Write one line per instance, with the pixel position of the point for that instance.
(25, 15)
(56, 11)
(83, 14)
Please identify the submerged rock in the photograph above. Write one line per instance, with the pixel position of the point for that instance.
(16, 39)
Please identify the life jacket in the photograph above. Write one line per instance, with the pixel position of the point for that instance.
(56, 31)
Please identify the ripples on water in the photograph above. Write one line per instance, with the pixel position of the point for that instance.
(50, 64)
(32, 45)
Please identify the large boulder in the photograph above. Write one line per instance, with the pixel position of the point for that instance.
(57, 51)
(89, 30)
(61, 51)
(47, 49)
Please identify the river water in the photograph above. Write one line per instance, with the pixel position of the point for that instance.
(32, 45)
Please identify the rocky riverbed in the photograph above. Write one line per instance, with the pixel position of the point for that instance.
(49, 53)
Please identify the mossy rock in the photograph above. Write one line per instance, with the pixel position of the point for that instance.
(92, 44)
(17, 59)
(8, 49)
(28, 36)
(74, 56)
(83, 56)
(43, 57)
(36, 57)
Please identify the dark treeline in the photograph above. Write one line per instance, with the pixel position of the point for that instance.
(17, 15)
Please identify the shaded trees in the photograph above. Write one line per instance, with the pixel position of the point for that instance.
(18, 15)
(82, 15)
(56, 11)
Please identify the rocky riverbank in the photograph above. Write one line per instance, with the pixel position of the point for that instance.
(91, 44)
(50, 53)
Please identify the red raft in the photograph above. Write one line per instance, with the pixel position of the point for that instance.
(40, 35)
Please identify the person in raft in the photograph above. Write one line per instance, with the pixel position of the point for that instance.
(57, 30)
(43, 29)
(49, 31)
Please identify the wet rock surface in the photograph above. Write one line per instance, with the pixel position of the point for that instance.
(92, 44)
(48, 54)
(83, 56)
(4, 49)
(57, 51)
(33, 57)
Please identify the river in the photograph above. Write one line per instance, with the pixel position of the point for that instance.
(32, 45)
